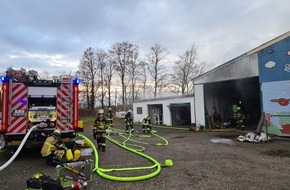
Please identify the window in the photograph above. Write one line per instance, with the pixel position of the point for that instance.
(42, 101)
(139, 110)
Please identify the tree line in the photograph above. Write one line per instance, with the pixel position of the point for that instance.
(119, 73)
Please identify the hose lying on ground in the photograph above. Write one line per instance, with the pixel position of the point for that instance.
(102, 172)
(18, 149)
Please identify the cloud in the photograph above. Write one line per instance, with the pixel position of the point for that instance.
(270, 64)
(56, 32)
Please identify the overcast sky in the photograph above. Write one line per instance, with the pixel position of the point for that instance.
(52, 35)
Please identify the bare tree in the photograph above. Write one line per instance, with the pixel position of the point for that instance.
(184, 70)
(143, 77)
(134, 76)
(122, 55)
(156, 65)
(88, 70)
(101, 63)
(108, 75)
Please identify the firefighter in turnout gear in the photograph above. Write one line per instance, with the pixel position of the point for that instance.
(100, 129)
(129, 122)
(239, 118)
(53, 148)
(146, 124)
(110, 116)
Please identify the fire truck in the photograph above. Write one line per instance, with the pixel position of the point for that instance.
(28, 101)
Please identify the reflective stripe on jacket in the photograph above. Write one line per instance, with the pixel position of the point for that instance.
(100, 125)
(49, 146)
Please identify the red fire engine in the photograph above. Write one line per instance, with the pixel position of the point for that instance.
(28, 101)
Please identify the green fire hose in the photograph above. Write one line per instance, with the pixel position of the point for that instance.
(104, 172)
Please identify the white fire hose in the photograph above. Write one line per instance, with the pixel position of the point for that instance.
(18, 149)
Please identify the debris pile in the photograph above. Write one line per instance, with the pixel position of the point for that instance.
(254, 137)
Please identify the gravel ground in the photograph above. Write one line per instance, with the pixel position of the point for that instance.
(198, 162)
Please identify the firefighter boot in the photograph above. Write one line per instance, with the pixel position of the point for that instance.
(149, 129)
(103, 144)
(99, 143)
(132, 129)
(127, 129)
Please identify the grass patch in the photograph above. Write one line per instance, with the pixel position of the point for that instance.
(89, 121)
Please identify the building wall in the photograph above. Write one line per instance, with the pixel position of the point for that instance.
(274, 62)
(167, 120)
(274, 68)
(199, 104)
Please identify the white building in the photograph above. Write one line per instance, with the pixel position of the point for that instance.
(172, 111)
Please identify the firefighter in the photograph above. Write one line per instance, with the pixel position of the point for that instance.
(53, 148)
(100, 129)
(110, 117)
(146, 124)
(239, 118)
(129, 122)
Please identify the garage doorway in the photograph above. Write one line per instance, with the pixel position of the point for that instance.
(156, 114)
(180, 114)
(220, 97)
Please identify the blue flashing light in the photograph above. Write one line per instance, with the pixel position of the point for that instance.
(4, 79)
(77, 81)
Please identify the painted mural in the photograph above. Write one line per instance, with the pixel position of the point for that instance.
(276, 102)
(274, 75)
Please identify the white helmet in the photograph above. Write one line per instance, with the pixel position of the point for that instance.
(238, 108)
(129, 110)
(101, 111)
(56, 132)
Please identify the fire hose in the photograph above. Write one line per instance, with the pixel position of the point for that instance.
(103, 172)
(18, 149)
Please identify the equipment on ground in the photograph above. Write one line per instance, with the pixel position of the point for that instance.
(75, 174)
(43, 182)
(28, 101)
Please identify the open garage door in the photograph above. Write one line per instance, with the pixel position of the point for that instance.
(220, 97)
(156, 114)
(180, 114)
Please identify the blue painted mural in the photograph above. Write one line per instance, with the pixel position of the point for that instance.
(274, 72)
(276, 104)
(274, 62)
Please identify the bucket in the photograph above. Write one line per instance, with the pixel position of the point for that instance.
(69, 156)
(77, 154)
(81, 125)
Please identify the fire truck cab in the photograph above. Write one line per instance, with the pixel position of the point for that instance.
(28, 101)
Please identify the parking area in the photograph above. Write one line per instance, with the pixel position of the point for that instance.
(201, 160)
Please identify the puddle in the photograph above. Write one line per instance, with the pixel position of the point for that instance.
(222, 140)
